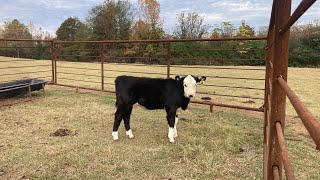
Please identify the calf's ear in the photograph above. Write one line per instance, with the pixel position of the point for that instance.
(200, 79)
(179, 78)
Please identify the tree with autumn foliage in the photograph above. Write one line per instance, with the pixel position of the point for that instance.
(245, 30)
(149, 25)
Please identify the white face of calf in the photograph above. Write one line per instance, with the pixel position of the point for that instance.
(190, 86)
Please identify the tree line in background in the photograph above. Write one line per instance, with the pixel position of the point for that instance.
(122, 20)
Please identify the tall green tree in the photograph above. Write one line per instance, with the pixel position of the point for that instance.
(304, 45)
(190, 26)
(112, 20)
(84, 32)
(16, 30)
(68, 29)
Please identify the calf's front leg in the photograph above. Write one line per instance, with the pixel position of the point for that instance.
(171, 115)
(175, 132)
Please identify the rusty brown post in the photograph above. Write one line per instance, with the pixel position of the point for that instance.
(302, 8)
(29, 89)
(52, 60)
(55, 61)
(278, 97)
(43, 91)
(101, 49)
(169, 59)
(267, 93)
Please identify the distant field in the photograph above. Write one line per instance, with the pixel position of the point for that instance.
(305, 81)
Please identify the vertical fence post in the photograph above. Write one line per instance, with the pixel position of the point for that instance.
(278, 97)
(101, 49)
(52, 60)
(267, 101)
(267, 95)
(55, 62)
(169, 59)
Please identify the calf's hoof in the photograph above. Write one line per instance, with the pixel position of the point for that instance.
(115, 135)
(171, 140)
(175, 135)
(129, 133)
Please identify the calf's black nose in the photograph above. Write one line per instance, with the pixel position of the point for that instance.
(190, 96)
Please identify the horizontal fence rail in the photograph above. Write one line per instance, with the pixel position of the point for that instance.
(309, 121)
(227, 105)
(164, 41)
(284, 152)
(302, 8)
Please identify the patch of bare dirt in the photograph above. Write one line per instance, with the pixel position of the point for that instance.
(63, 132)
(13, 101)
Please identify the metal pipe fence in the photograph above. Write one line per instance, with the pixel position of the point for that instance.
(23, 59)
(90, 63)
(276, 91)
(127, 58)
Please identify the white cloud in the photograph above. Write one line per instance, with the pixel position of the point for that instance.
(62, 4)
(212, 17)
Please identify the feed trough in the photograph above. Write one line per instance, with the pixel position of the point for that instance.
(20, 87)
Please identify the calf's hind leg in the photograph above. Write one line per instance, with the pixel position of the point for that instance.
(117, 120)
(126, 119)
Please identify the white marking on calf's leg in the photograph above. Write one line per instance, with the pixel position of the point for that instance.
(175, 132)
(170, 134)
(115, 135)
(129, 133)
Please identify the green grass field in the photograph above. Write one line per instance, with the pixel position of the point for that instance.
(226, 144)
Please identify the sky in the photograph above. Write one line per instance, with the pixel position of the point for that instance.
(49, 14)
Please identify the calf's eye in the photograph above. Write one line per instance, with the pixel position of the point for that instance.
(185, 85)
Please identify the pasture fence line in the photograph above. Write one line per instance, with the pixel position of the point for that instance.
(105, 53)
(12, 68)
(277, 89)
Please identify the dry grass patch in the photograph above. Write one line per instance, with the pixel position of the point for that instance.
(222, 145)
